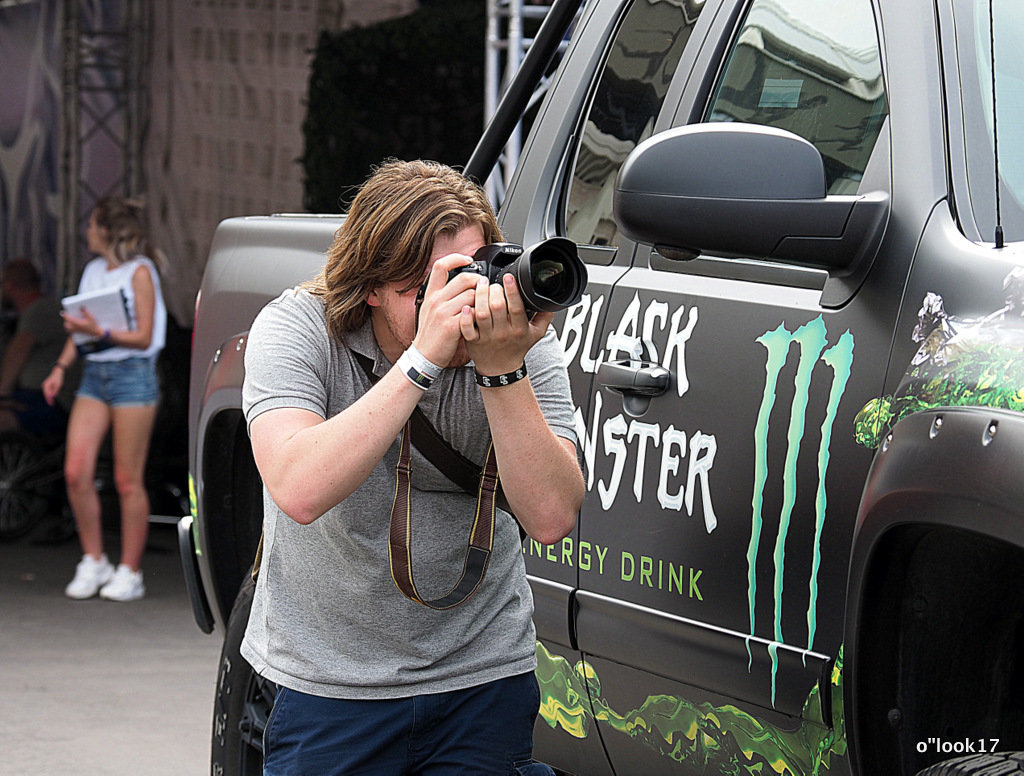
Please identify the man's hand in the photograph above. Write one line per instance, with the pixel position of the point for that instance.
(497, 329)
(439, 331)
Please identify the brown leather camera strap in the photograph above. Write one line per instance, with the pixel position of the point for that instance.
(479, 481)
(481, 536)
(447, 460)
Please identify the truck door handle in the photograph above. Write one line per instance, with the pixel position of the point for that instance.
(637, 381)
(639, 378)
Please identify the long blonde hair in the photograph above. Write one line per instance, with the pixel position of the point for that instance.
(124, 221)
(389, 234)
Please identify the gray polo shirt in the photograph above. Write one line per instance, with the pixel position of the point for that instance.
(327, 618)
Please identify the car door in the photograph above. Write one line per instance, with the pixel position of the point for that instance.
(610, 102)
(723, 472)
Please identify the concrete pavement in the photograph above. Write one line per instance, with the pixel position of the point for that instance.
(97, 688)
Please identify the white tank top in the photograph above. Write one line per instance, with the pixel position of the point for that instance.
(96, 276)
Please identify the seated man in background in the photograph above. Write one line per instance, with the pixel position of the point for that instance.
(37, 342)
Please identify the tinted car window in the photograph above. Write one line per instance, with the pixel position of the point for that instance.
(628, 97)
(811, 67)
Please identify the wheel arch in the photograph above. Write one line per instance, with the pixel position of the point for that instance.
(228, 487)
(935, 608)
(232, 505)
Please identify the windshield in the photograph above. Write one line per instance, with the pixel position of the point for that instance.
(977, 22)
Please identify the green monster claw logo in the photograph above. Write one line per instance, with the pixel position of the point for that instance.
(702, 737)
(811, 340)
(960, 363)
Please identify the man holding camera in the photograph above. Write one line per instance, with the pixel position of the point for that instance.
(392, 606)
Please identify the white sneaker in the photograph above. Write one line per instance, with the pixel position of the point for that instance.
(125, 585)
(90, 576)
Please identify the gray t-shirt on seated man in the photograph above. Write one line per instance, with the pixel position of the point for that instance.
(42, 320)
(327, 618)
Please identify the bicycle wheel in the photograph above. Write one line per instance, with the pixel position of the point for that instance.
(24, 476)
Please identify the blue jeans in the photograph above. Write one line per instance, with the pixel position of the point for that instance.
(486, 729)
(131, 382)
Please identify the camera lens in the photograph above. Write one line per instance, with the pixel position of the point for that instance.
(550, 275)
(551, 278)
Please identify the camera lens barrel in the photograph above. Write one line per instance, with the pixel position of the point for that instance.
(550, 274)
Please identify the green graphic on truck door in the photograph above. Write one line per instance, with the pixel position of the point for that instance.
(701, 736)
(811, 341)
(708, 738)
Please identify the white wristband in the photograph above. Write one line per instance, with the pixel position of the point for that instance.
(416, 377)
(422, 363)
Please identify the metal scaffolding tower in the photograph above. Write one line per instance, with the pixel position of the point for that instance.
(106, 51)
(507, 43)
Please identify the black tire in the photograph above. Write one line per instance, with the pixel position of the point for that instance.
(991, 764)
(26, 483)
(242, 702)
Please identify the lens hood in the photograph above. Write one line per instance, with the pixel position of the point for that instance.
(550, 275)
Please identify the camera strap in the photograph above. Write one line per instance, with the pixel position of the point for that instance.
(481, 535)
(481, 482)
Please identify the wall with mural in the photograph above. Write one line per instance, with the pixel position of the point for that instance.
(30, 71)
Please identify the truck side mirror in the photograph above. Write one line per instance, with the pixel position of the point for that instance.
(745, 191)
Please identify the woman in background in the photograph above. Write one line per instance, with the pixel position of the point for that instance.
(118, 393)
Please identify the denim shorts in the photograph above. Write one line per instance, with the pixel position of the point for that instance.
(486, 729)
(130, 382)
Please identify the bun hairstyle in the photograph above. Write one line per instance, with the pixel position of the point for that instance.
(124, 223)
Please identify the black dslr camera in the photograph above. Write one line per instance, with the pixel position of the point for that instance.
(550, 274)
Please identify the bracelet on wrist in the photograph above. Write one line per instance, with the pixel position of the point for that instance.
(422, 363)
(58, 365)
(106, 335)
(420, 379)
(496, 381)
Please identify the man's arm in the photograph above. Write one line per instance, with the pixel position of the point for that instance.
(539, 471)
(310, 464)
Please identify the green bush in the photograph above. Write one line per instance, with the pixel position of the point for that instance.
(410, 88)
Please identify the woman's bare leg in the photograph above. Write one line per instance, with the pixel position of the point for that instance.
(132, 429)
(87, 427)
